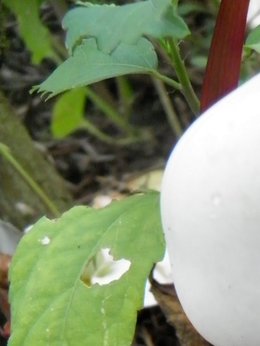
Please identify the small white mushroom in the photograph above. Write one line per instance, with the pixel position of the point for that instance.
(210, 207)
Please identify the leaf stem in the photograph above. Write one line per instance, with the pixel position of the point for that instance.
(169, 81)
(126, 96)
(96, 132)
(91, 128)
(168, 107)
(6, 153)
(110, 112)
(183, 76)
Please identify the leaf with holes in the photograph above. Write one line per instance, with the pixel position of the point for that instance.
(107, 41)
(89, 65)
(79, 279)
(113, 25)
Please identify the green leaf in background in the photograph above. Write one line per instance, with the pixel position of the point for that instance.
(54, 299)
(36, 36)
(68, 112)
(253, 40)
(89, 65)
(107, 41)
(112, 25)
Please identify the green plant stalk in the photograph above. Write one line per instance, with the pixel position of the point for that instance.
(110, 112)
(126, 95)
(168, 107)
(92, 129)
(183, 77)
(106, 138)
(6, 153)
(169, 81)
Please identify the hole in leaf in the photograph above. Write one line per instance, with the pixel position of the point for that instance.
(45, 240)
(102, 269)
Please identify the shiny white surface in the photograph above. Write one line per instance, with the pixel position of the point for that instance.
(210, 206)
(254, 13)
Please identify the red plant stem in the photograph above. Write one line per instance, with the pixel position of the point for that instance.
(224, 61)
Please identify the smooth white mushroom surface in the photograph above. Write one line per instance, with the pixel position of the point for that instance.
(210, 207)
(253, 16)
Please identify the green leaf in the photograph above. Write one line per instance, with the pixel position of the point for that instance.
(89, 65)
(36, 36)
(111, 25)
(253, 39)
(53, 297)
(68, 112)
(107, 41)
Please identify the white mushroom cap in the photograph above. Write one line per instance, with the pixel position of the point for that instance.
(210, 207)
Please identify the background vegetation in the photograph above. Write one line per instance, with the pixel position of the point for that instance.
(101, 142)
